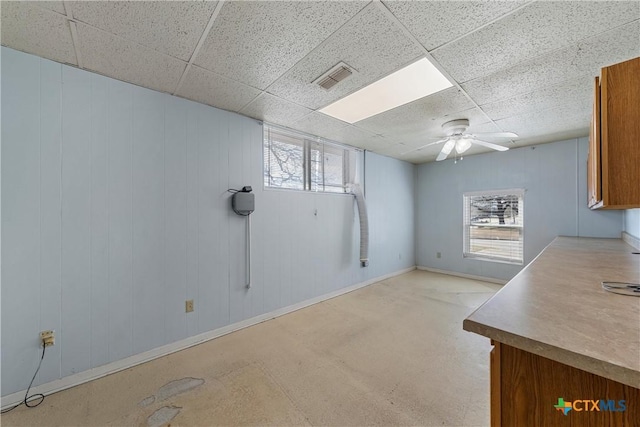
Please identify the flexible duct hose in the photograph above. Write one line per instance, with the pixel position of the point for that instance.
(364, 224)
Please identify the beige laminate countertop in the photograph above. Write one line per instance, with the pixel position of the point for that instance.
(556, 308)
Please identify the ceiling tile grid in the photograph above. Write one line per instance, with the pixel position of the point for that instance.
(522, 66)
(369, 43)
(56, 6)
(569, 117)
(531, 31)
(209, 88)
(319, 124)
(127, 61)
(418, 116)
(586, 57)
(169, 27)
(435, 23)
(255, 42)
(356, 137)
(39, 31)
(275, 110)
(576, 91)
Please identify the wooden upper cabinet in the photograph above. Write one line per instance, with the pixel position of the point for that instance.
(613, 175)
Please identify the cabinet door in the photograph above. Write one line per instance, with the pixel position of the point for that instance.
(594, 179)
(620, 133)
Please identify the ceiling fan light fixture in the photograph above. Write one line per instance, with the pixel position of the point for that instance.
(462, 145)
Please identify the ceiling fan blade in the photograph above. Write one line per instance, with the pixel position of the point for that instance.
(425, 146)
(496, 135)
(490, 145)
(446, 150)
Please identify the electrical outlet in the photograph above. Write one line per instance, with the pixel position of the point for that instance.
(438, 255)
(188, 306)
(48, 338)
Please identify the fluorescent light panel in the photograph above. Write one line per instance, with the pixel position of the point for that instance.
(412, 82)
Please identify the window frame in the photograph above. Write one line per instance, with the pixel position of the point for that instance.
(308, 143)
(467, 224)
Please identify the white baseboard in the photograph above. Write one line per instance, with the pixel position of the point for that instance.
(466, 276)
(631, 240)
(126, 363)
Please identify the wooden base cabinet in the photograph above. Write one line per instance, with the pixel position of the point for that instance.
(613, 171)
(526, 388)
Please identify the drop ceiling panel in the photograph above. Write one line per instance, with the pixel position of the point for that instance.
(211, 89)
(255, 42)
(357, 137)
(568, 64)
(56, 6)
(38, 31)
(319, 124)
(575, 91)
(370, 43)
(124, 60)
(435, 23)
(170, 27)
(534, 30)
(274, 110)
(530, 126)
(425, 114)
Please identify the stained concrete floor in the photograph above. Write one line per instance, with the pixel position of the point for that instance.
(393, 353)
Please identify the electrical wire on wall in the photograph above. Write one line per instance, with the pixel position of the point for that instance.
(27, 401)
(243, 204)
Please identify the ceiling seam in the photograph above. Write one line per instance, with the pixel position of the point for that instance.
(440, 68)
(539, 89)
(196, 50)
(74, 33)
(542, 55)
(493, 21)
(322, 43)
(262, 92)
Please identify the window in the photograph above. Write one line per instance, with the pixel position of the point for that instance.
(494, 225)
(297, 161)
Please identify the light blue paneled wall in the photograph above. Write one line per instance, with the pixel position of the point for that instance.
(115, 211)
(554, 177)
(632, 222)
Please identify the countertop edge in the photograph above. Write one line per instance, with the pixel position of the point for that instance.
(580, 361)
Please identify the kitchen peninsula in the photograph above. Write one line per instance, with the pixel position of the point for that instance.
(558, 334)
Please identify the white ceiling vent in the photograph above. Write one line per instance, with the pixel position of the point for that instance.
(334, 76)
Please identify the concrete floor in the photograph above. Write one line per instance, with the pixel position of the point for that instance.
(393, 353)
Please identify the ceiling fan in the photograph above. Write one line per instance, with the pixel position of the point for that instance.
(456, 137)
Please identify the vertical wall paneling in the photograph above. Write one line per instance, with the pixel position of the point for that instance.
(50, 139)
(209, 218)
(554, 177)
(259, 248)
(223, 215)
(20, 219)
(76, 221)
(632, 222)
(115, 211)
(148, 220)
(120, 216)
(193, 257)
(175, 213)
(99, 223)
(239, 295)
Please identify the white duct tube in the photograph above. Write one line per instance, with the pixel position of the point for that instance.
(364, 224)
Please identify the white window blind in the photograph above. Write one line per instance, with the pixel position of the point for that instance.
(494, 225)
(297, 161)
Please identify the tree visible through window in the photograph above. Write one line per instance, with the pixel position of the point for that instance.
(300, 162)
(494, 225)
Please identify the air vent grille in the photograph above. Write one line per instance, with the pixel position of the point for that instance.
(334, 76)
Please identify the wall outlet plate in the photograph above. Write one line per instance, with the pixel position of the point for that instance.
(188, 306)
(47, 337)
